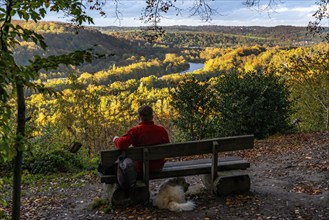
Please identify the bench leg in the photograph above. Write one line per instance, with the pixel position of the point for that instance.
(138, 195)
(109, 190)
(228, 182)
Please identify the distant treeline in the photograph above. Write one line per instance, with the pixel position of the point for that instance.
(119, 44)
(229, 35)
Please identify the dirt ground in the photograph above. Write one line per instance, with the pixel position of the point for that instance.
(289, 180)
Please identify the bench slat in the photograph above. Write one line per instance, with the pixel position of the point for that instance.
(188, 168)
(185, 149)
(199, 161)
(201, 147)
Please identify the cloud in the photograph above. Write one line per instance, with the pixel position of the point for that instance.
(291, 13)
(232, 12)
(308, 9)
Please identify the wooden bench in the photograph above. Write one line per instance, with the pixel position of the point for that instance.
(221, 170)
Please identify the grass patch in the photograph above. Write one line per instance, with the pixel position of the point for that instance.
(102, 204)
(54, 180)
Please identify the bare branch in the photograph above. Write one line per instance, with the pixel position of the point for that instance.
(154, 11)
(257, 3)
(203, 10)
(262, 5)
(97, 5)
(315, 27)
(117, 12)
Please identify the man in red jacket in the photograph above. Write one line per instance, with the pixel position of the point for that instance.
(144, 134)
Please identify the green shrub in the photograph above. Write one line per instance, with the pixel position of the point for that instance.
(54, 162)
(196, 109)
(232, 104)
(253, 103)
(6, 168)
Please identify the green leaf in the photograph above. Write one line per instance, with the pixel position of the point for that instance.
(26, 16)
(42, 12)
(47, 3)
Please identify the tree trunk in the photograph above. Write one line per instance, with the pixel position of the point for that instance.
(19, 146)
(327, 125)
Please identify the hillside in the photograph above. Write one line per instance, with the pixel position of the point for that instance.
(226, 36)
(122, 43)
(62, 38)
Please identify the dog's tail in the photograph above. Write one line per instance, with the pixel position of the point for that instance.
(178, 207)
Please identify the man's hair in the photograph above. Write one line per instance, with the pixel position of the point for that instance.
(145, 112)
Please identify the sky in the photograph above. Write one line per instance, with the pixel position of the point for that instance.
(229, 13)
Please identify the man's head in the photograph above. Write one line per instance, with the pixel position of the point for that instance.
(145, 113)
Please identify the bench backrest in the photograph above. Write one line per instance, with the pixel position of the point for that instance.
(189, 148)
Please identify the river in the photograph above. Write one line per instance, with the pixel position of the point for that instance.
(193, 67)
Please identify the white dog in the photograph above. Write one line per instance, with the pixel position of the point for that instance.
(171, 195)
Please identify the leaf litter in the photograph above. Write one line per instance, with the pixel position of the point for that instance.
(289, 180)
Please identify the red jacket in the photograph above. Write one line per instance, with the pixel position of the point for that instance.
(144, 134)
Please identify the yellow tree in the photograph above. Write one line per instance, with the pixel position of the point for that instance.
(309, 76)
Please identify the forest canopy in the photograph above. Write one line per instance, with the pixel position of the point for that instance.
(93, 105)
